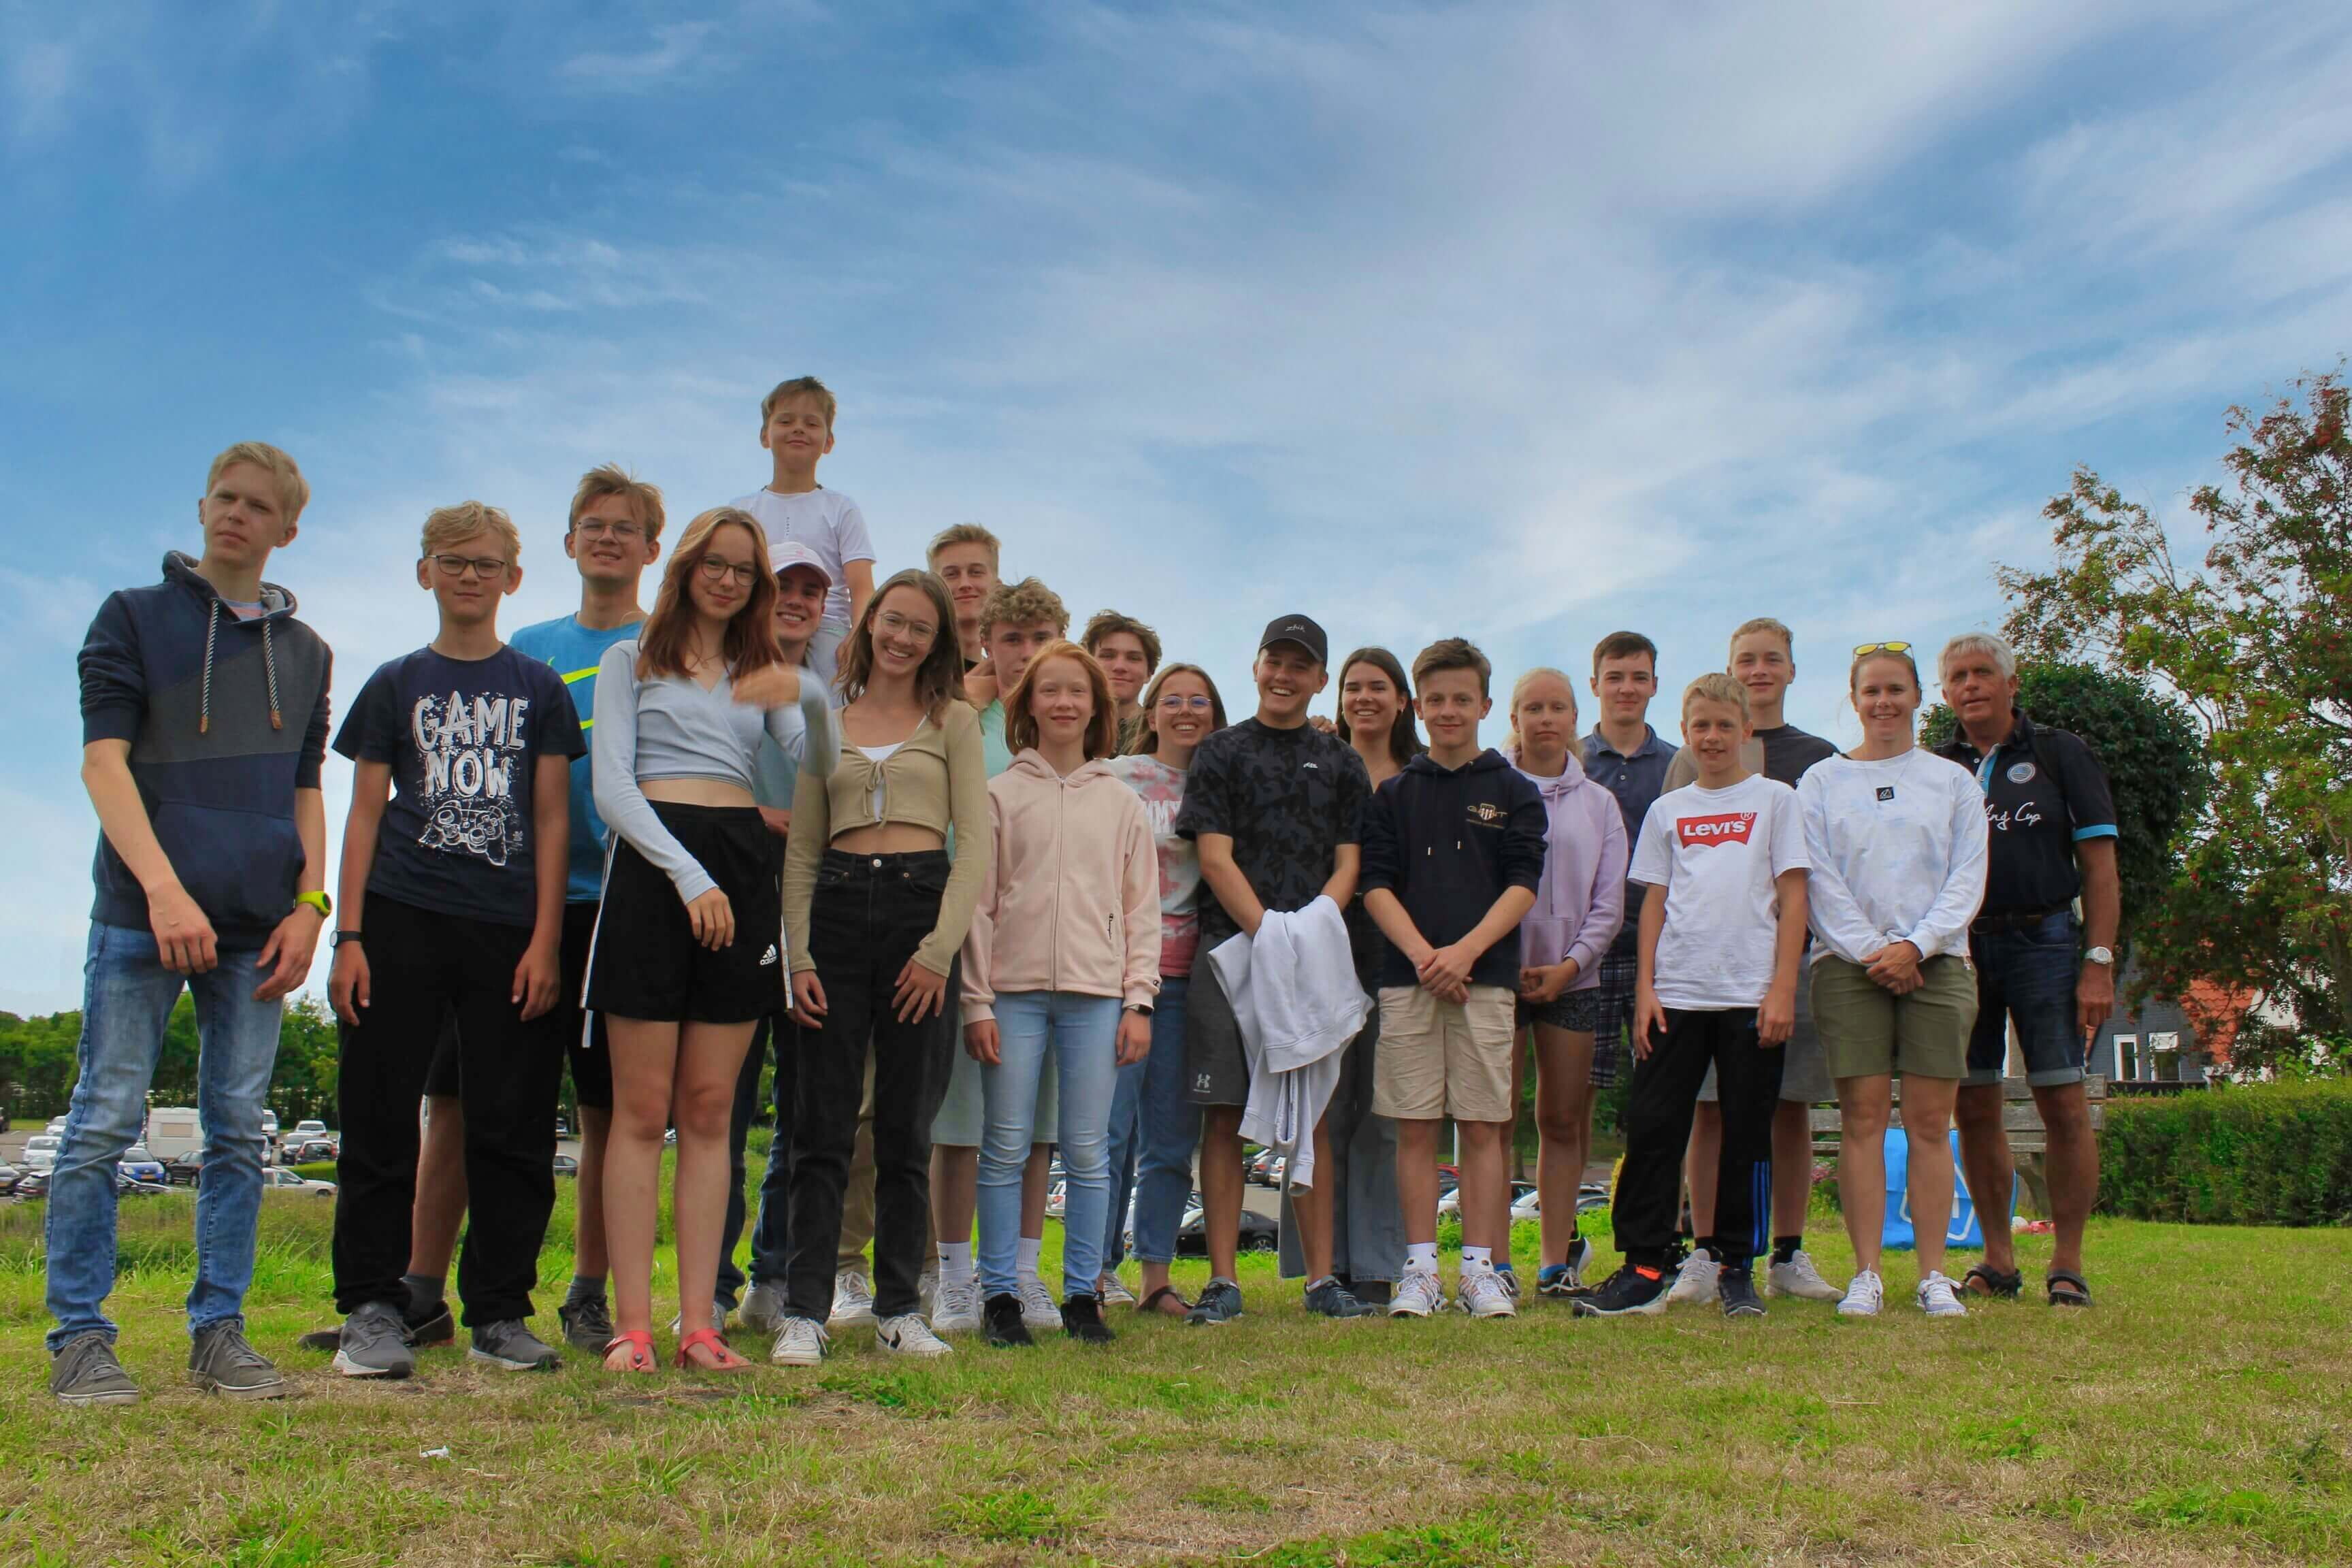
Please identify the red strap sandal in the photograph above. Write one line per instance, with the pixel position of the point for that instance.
(728, 1360)
(634, 1348)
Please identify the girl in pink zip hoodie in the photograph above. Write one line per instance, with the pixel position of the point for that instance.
(1064, 951)
(1579, 904)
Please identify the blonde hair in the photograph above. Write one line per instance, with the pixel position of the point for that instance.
(612, 479)
(1021, 719)
(964, 533)
(1528, 678)
(799, 386)
(1023, 604)
(450, 525)
(1853, 674)
(293, 490)
(1717, 687)
(1764, 624)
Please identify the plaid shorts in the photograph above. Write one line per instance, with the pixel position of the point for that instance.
(1614, 1030)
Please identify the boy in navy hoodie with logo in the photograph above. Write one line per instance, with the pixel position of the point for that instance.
(204, 706)
(1454, 850)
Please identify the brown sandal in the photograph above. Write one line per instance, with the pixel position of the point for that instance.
(1150, 1303)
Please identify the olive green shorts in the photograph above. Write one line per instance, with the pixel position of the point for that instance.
(1867, 1030)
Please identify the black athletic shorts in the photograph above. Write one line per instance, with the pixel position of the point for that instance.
(644, 963)
(583, 1032)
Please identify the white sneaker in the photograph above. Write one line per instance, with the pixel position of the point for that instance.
(765, 1307)
(1799, 1277)
(1863, 1297)
(1418, 1294)
(1483, 1294)
(1037, 1308)
(799, 1342)
(926, 1290)
(908, 1334)
(853, 1303)
(1114, 1292)
(717, 1319)
(1695, 1279)
(958, 1308)
(1940, 1297)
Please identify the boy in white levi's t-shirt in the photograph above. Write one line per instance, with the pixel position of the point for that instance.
(1720, 951)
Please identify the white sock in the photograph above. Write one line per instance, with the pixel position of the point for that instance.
(1024, 1261)
(1421, 1255)
(955, 1262)
(1478, 1260)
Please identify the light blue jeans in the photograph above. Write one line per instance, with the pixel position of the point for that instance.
(1083, 1032)
(1154, 1129)
(127, 1001)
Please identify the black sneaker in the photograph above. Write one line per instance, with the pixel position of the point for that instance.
(375, 1343)
(431, 1325)
(512, 1345)
(1329, 1298)
(220, 1360)
(1736, 1289)
(587, 1324)
(1082, 1321)
(85, 1372)
(1628, 1290)
(1000, 1321)
(324, 1340)
(1220, 1302)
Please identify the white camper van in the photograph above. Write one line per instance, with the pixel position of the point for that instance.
(174, 1132)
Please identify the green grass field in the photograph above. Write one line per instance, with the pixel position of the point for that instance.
(2196, 1415)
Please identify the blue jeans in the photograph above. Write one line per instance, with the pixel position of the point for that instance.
(2028, 975)
(1154, 1129)
(1083, 1032)
(127, 1001)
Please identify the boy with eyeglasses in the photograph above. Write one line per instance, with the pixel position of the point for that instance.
(452, 904)
(796, 427)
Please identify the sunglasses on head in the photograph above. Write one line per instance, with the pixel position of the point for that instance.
(1870, 647)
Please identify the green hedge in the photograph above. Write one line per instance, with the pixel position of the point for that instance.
(2270, 1153)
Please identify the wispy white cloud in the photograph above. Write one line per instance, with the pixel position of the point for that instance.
(675, 45)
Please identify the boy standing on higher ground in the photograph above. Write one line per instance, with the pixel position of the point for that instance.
(796, 427)
(966, 557)
(204, 706)
(1129, 652)
(1454, 850)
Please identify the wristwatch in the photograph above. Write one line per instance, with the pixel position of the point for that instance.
(317, 899)
(343, 936)
(2103, 957)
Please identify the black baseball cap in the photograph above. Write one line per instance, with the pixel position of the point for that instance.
(1301, 630)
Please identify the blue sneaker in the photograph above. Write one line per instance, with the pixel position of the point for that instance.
(1554, 1280)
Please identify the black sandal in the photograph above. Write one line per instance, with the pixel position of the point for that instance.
(1150, 1303)
(1990, 1282)
(2067, 1289)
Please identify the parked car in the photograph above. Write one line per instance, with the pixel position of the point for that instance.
(124, 1187)
(56, 1128)
(280, 1179)
(174, 1133)
(1452, 1202)
(9, 1175)
(41, 1153)
(184, 1171)
(33, 1184)
(1592, 1195)
(1261, 1166)
(313, 1150)
(1057, 1198)
(565, 1165)
(1527, 1205)
(141, 1166)
(1258, 1232)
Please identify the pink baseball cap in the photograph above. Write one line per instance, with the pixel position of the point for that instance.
(792, 552)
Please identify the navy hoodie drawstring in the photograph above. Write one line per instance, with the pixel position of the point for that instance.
(268, 668)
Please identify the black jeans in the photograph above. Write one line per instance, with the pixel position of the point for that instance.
(1658, 1113)
(868, 916)
(769, 1251)
(422, 966)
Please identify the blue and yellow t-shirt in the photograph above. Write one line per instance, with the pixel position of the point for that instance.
(576, 651)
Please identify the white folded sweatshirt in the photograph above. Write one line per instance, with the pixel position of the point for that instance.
(1294, 996)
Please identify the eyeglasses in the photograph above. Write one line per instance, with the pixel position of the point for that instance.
(898, 626)
(714, 570)
(483, 567)
(1176, 702)
(1870, 647)
(625, 532)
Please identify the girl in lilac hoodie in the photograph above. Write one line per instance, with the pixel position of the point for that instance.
(1579, 906)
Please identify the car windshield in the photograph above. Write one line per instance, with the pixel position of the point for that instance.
(41, 1141)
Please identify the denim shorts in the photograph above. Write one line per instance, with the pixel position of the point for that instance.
(2028, 976)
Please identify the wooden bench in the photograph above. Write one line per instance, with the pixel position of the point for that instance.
(2020, 1115)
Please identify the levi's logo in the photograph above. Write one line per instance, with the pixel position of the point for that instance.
(1730, 828)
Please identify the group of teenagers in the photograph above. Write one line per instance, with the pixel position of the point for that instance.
(985, 893)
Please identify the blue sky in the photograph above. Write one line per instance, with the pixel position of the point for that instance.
(1524, 322)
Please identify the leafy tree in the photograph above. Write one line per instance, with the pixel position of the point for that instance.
(2154, 755)
(2259, 645)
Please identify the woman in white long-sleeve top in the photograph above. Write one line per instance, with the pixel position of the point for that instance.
(686, 957)
(1896, 835)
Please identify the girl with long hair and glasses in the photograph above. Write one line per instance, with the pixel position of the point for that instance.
(877, 910)
(684, 962)
(1154, 1125)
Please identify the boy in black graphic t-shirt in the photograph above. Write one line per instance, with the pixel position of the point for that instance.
(449, 905)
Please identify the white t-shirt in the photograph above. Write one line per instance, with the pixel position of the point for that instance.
(1716, 852)
(1898, 854)
(829, 523)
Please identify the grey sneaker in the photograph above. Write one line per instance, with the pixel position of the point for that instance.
(84, 1371)
(1220, 1302)
(853, 1303)
(375, 1343)
(1326, 1298)
(221, 1361)
(1799, 1277)
(587, 1324)
(1695, 1281)
(1038, 1308)
(512, 1345)
(765, 1306)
